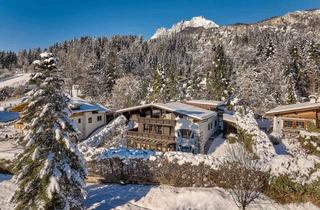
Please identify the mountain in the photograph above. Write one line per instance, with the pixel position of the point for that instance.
(271, 62)
(195, 22)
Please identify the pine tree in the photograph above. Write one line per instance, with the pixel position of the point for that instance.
(51, 170)
(196, 87)
(108, 74)
(291, 96)
(89, 86)
(171, 90)
(218, 76)
(296, 77)
(157, 86)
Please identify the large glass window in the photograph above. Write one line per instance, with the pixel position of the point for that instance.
(186, 133)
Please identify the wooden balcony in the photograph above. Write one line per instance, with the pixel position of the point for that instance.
(156, 121)
(151, 137)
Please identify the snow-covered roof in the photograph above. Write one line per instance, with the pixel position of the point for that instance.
(180, 108)
(229, 118)
(84, 106)
(207, 102)
(293, 107)
(188, 110)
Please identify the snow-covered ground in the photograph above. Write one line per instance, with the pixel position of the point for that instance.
(134, 197)
(8, 147)
(15, 81)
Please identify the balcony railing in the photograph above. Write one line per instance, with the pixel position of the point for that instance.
(186, 142)
(156, 121)
(164, 138)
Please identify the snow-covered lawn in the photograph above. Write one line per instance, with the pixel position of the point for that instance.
(134, 197)
(15, 81)
(8, 150)
(8, 147)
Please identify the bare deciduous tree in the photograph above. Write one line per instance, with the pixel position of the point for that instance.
(242, 175)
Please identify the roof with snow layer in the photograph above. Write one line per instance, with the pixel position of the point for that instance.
(294, 107)
(207, 102)
(84, 106)
(180, 108)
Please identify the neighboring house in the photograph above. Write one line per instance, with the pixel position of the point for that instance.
(170, 126)
(296, 117)
(88, 117)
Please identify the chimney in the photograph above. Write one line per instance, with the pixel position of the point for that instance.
(314, 99)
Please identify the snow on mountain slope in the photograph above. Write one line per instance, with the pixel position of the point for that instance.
(195, 22)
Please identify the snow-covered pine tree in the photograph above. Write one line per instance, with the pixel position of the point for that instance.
(171, 89)
(218, 76)
(196, 86)
(51, 170)
(89, 86)
(108, 72)
(157, 86)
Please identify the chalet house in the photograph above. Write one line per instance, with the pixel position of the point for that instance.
(170, 126)
(88, 117)
(295, 117)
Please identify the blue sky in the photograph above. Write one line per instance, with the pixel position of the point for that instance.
(34, 23)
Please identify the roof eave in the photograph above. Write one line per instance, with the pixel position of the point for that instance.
(272, 113)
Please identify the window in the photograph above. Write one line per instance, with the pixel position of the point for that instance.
(90, 120)
(215, 123)
(158, 129)
(300, 124)
(79, 120)
(185, 133)
(287, 124)
(209, 126)
(99, 118)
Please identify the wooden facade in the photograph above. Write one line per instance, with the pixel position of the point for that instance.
(291, 120)
(155, 129)
(300, 119)
(152, 133)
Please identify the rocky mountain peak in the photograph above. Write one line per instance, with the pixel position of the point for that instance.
(195, 22)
